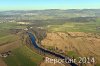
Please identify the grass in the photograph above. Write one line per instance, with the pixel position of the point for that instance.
(7, 25)
(5, 28)
(97, 65)
(23, 56)
(13, 25)
(7, 39)
(75, 27)
(5, 32)
(72, 54)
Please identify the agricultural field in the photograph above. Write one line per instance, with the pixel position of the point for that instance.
(75, 27)
(23, 56)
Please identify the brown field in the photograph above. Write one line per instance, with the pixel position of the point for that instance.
(83, 44)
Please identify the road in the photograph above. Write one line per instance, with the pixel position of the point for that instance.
(33, 40)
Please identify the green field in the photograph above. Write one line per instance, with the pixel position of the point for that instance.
(5, 28)
(72, 54)
(8, 39)
(23, 56)
(97, 64)
(5, 33)
(75, 27)
(11, 25)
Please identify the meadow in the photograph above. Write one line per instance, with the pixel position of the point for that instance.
(75, 27)
(23, 56)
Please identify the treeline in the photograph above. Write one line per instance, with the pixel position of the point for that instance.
(41, 23)
(83, 19)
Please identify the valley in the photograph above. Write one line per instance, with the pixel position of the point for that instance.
(72, 33)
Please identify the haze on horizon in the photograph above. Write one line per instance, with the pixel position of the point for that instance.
(48, 4)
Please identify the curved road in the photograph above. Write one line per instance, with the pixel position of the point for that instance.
(46, 51)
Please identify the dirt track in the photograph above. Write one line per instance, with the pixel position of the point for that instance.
(2, 63)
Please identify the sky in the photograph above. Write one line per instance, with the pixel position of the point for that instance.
(48, 4)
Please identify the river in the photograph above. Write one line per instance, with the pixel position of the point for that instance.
(33, 40)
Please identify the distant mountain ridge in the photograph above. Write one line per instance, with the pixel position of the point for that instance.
(71, 15)
(56, 12)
